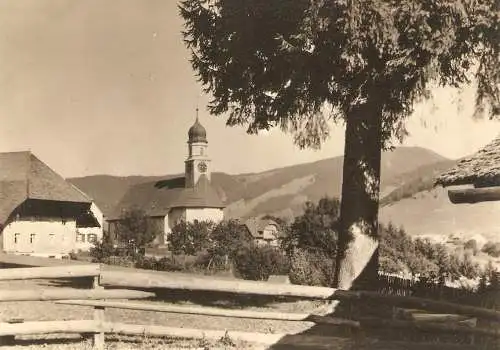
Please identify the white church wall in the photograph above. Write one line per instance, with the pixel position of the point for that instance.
(204, 214)
(172, 218)
(189, 215)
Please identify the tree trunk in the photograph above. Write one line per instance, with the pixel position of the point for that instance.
(357, 258)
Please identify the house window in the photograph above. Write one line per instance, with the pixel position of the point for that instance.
(32, 238)
(52, 237)
(92, 238)
(80, 238)
(16, 237)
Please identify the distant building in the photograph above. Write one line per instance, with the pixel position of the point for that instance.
(41, 213)
(263, 231)
(170, 201)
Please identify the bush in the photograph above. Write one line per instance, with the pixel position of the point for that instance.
(101, 251)
(492, 249)
(257, 263)
(471, 245)
(311, 268)
(147, 263)
(123, 261)
(162, 264)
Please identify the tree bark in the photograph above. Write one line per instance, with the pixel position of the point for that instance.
(357, 257)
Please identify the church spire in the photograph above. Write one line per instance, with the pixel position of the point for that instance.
(197, 132)
(198, 162)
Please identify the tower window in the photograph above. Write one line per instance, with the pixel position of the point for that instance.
(201, 151)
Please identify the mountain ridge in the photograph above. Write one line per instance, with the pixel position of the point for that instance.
(278, 190)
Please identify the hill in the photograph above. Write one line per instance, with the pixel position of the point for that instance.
(417, 180)
(279, 191)
(430, 213)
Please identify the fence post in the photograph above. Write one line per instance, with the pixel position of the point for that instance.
(10, 339)
(99, 319)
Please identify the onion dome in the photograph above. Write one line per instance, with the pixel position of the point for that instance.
(197, 132)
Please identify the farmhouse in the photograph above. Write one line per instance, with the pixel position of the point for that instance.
(167, 202)
(263, 231)
(476, 178)
(42, 214)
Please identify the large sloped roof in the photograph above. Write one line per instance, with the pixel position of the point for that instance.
(23, 176)
(481, 169)
(158, 197)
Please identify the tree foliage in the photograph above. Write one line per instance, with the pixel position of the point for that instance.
(297, 64)
(311, 267)
(315, 229)
(227, 238)
(399, 253)
(311, 243)
(102, 250)
(471, 245)
(190, 238)
(492, 249)
(135, 227)
(254, 262)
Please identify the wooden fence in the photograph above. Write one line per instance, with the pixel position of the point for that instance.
(393, 285)
(109, 285)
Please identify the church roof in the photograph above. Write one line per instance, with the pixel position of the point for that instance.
(23, 176)
(197, 132)
(158, 197)
(480, 169)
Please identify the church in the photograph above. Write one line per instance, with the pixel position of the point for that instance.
(167, 202)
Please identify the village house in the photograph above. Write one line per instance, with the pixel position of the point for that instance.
(42, 214)
(167, 202)
(263, 231)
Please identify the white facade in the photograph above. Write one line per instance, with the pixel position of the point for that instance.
(269, 235)
(50, 237)
(44, 237)
(177, 215)
(197, 163)
(86, 236)
(204, 214)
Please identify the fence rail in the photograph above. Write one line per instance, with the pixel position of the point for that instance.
(26, 273)
(145, 281)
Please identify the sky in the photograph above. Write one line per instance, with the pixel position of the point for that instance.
(105, 87)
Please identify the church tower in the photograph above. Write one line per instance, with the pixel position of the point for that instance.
(198, 162)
